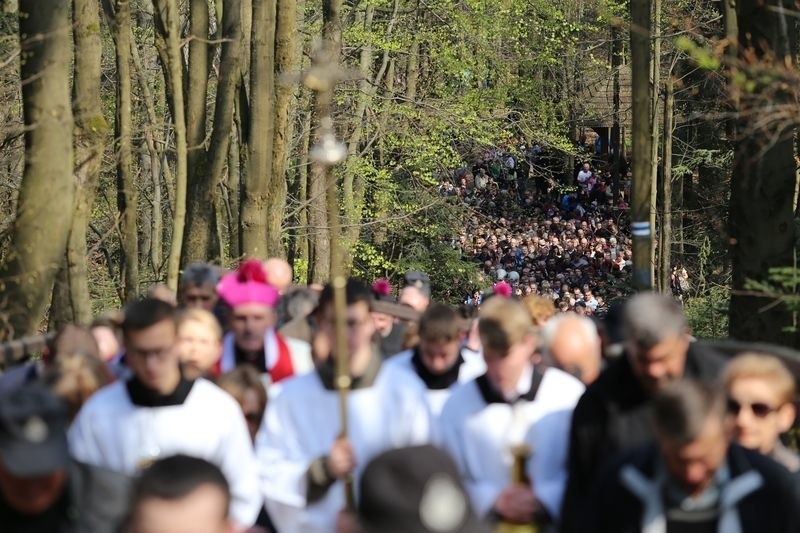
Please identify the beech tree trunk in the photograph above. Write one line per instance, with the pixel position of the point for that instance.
(47, 192)
(259, 179)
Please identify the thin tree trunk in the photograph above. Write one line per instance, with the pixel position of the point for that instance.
(655, 83)
(127, 188)
(71, 300)
(616, 62)
(642, 152)
(46, 195)
(287, 62)
(168, 29)
(156, 168)
(412, 73)
(231, 193)
(201, 213)
(303, 241)
(666, 201)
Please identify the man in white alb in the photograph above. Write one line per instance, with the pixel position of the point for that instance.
(514, 404)
(439, 362)
(303, 456)
(157, 413)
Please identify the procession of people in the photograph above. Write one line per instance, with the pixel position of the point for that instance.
(247, 403)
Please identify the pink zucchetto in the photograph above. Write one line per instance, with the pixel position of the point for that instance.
(248, 285)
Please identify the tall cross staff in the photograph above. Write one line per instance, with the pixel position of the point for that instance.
(326, 153)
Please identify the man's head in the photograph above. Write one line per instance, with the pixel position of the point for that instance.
(656, 339)
(417, 291)
(359, 323)
(180, 494)
(440, 336)
(509, 341)
(150, 334)
(573, 344)
(689, 420)
(33, 449)
(198, 287)
(761, 394)
(252, 301)
(199, 342)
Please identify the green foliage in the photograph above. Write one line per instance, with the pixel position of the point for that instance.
(708, 314)
(783, 285)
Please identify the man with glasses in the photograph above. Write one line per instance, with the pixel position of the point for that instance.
(158, 412)
(761, 407)
(303, 454)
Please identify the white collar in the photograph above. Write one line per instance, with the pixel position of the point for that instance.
(523, 384)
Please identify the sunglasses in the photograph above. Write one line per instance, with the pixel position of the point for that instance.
(759, 409)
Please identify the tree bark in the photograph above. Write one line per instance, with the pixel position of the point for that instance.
(201, 211)
(287, 62)
(259, 179)
(71, 296)
(157, 170)
(167, 28)
(197, 90)
(47, 193)
(665, 255)
(616, 62)
(762, 186)
(127, 189)
(655, 83)
(642, 152)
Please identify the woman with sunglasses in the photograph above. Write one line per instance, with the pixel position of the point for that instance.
(761, 393)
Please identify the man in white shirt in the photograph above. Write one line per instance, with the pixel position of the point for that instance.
(438, 362)
(584, 175)
(304, 457)
(513, 404)
(156, 413)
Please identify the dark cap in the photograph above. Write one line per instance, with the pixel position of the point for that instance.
(33, 432)
(415, 489)
(420, 280)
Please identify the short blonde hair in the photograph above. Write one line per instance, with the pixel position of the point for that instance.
(201, 316)
(540, 308)
(503, 323)
(762, 366)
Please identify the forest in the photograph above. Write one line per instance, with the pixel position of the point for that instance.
(140, 136)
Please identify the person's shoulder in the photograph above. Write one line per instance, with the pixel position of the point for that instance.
(112, 397)
(775, 476)
(704, 360)
(401, 360)
(566, 384)
(462, 399)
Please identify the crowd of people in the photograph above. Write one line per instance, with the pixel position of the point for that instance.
(231, 407)
(567, 239)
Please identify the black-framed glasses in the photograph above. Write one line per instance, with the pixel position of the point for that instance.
(759, 409)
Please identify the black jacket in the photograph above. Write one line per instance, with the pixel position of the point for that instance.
(768, 507)
(613, 416)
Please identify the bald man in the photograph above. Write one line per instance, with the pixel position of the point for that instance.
(572, 343)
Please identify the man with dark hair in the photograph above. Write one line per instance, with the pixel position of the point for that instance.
(693, 479)
(613, 414)
(198, 287)
(180, 493)
(157, 412)
(438, 361)
(307, 457)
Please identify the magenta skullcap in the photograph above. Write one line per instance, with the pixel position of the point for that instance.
(248, 285)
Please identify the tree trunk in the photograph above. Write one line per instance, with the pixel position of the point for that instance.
(205, 185)
(127, 189)
(156, 168)
(287, 62)
(302, 243)
(71, 297)
(616, 62)
(197, 90)
(666, 201)
(258, 179)
(642, 152)
(167, 28)
(412, 72)
(655, 83)
(762, 186)
(46, 195)
(231, 194)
